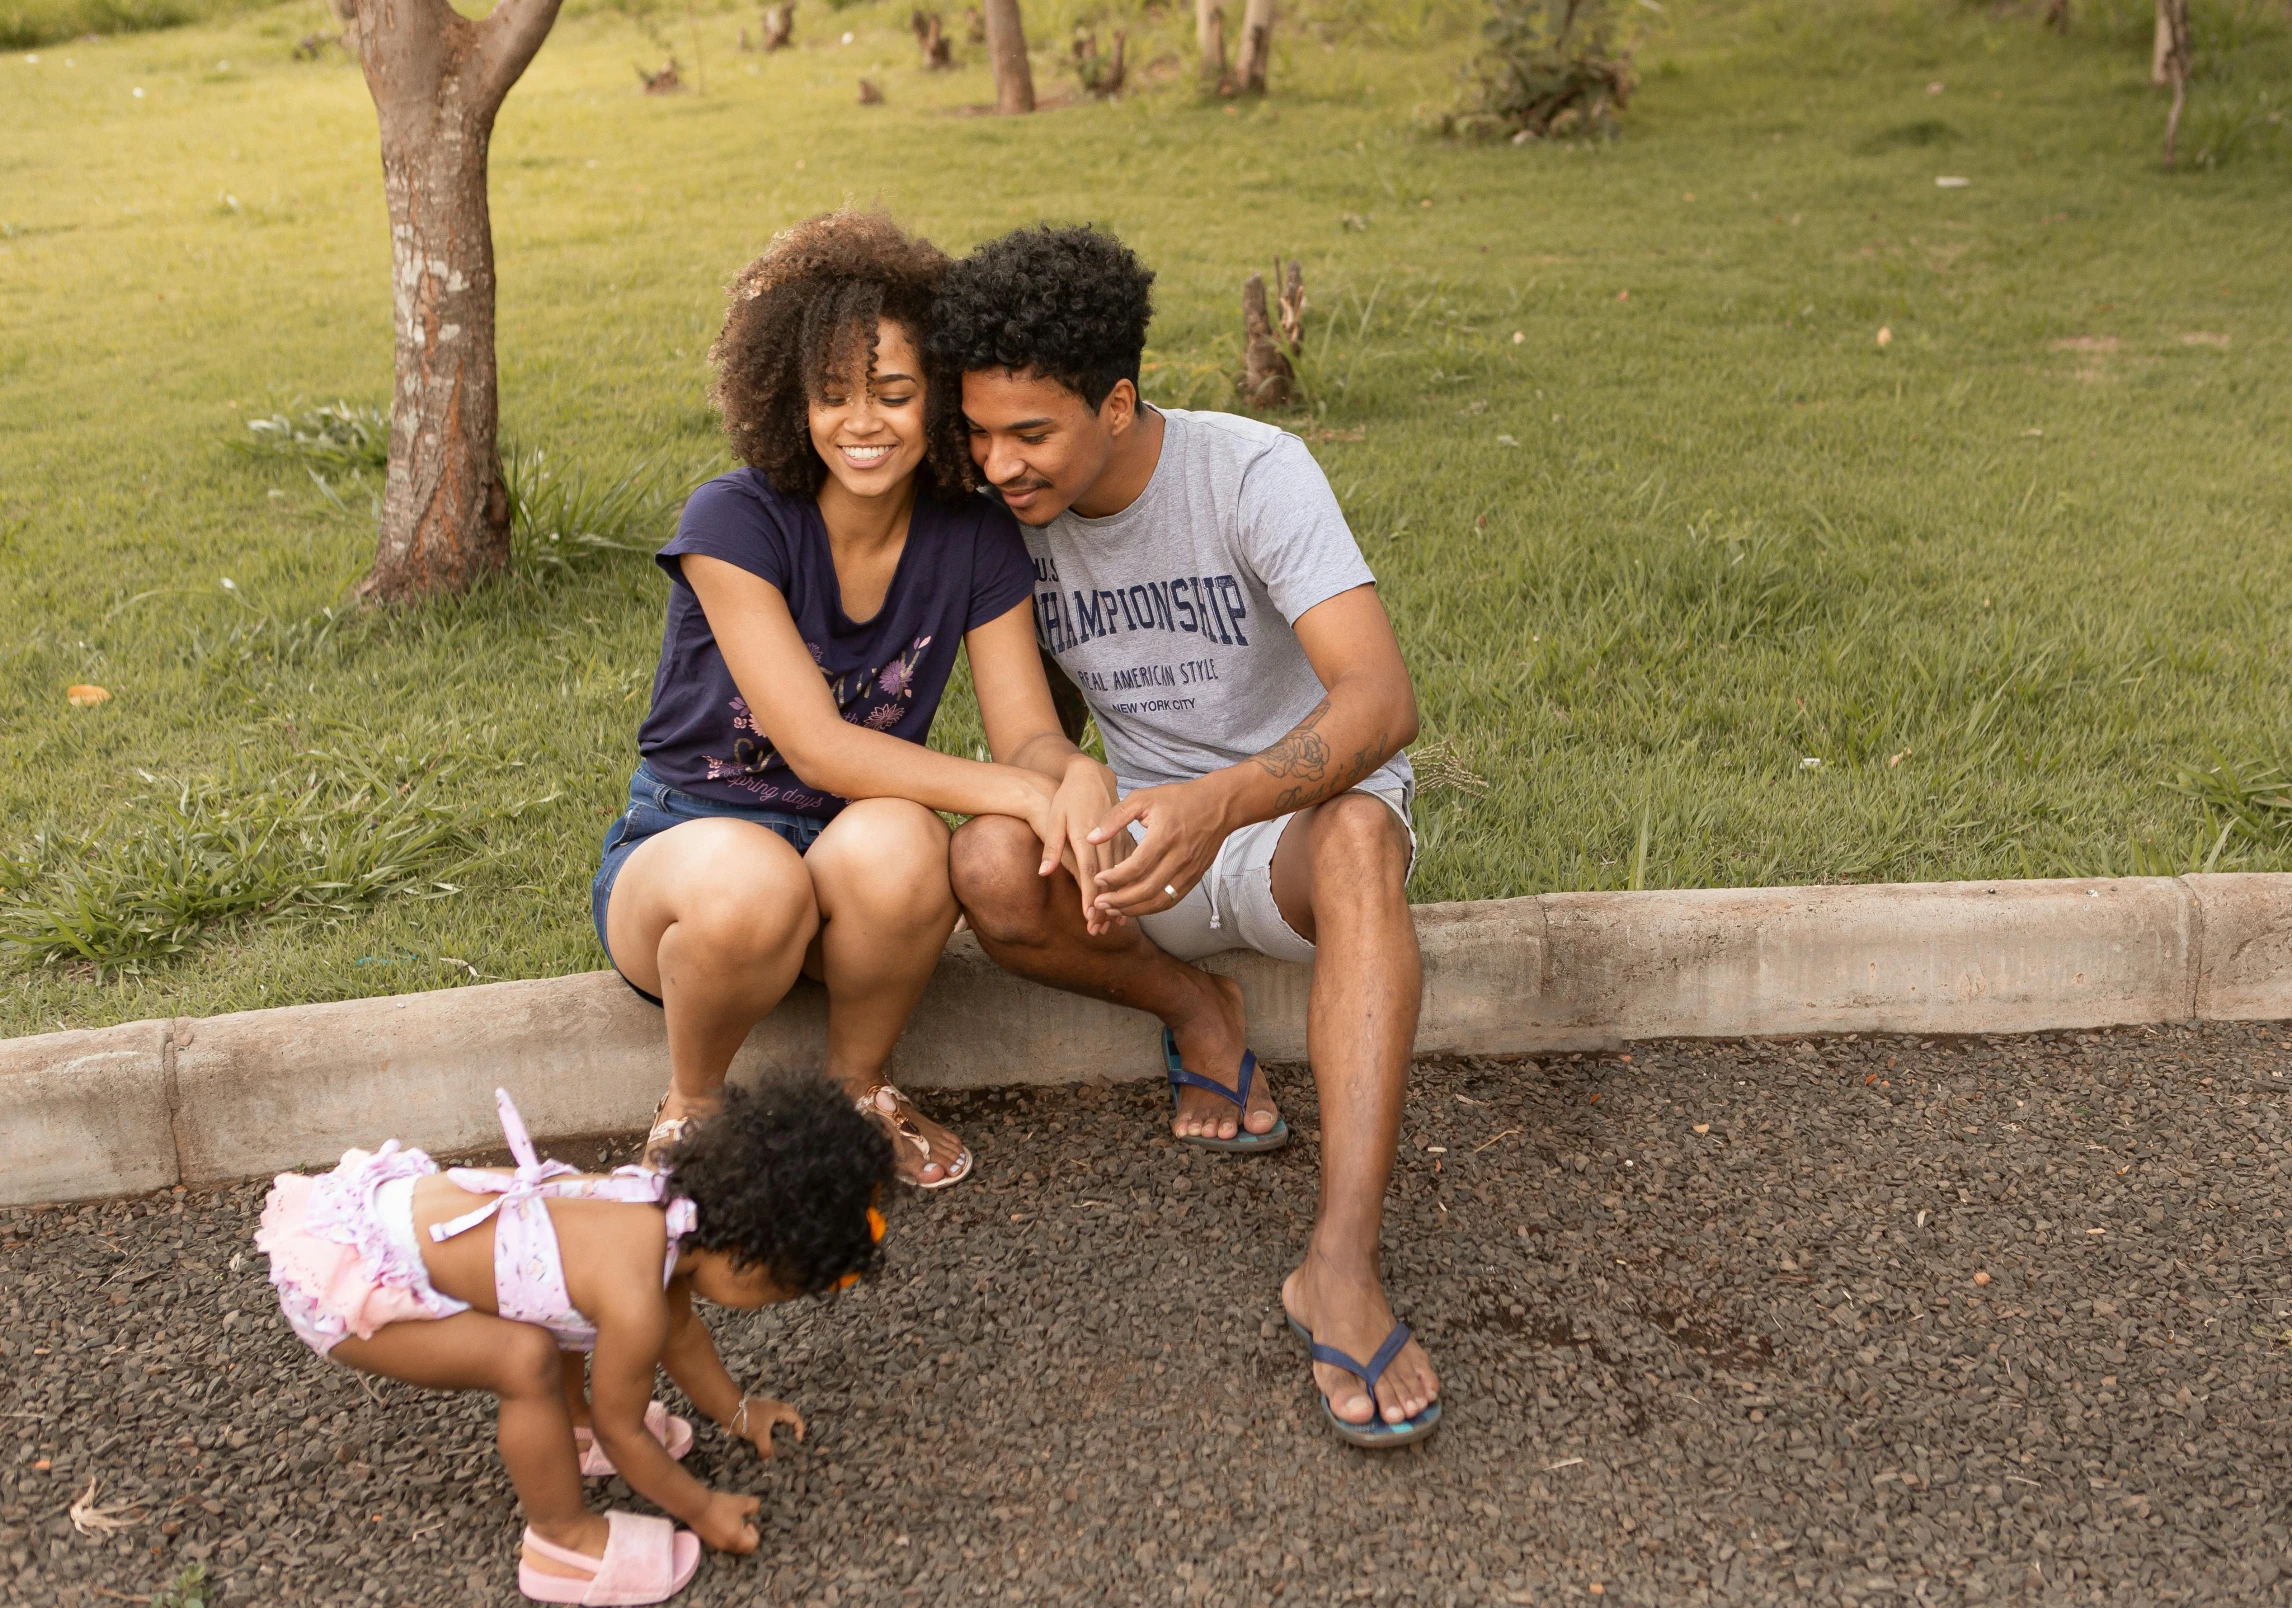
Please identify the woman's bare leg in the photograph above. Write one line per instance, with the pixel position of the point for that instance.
(879, 877)
(518, 1363)
(714, 917)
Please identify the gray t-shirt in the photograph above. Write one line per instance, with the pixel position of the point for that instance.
(1173, 616)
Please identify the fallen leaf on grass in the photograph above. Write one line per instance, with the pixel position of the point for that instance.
(86, 696)
(89, 1519)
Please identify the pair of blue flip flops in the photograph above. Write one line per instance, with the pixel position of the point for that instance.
(1376, 1434)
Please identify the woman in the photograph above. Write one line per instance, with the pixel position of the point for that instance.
(782, 818)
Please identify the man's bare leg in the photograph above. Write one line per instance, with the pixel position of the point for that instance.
(1340, 879)
(1032, 925)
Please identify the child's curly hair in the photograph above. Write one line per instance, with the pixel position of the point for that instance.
(783, 1179)
(806, 312)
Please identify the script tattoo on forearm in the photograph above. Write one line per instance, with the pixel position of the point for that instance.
(1304, 756)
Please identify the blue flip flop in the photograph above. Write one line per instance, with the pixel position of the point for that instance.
(1243, 1140)
(1376, 1434)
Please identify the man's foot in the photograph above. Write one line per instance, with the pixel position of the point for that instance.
(927, 1155)
(586, 1535)
(1210, 1042)
(1353, 1316)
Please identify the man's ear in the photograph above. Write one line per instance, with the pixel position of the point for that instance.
(1120, 409)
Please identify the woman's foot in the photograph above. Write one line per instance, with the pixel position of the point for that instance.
(1210, 1043)
(673, 1119)
(1353, 1315)
(927, 1155)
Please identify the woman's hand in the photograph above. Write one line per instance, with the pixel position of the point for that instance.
(757, 1418)
(724, 1523)
(1085, 795)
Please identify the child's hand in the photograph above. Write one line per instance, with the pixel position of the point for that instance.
(760, 1414)
(724, 1525)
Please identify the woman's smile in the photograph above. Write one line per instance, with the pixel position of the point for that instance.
(871, 456)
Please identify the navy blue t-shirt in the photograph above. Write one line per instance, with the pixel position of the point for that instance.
(961, 567)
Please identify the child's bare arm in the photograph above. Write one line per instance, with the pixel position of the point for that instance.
(691, 1361)
(632, 1336)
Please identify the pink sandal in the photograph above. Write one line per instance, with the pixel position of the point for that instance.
(646, 1560)
(674, 1434)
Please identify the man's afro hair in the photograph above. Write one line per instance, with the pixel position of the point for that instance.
(1069, 305)
(782, 1179)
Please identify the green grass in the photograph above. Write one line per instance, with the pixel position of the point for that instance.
(2020, 580)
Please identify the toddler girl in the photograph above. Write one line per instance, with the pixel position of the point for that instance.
(477, 1279)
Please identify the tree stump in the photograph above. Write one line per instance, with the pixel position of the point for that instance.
(1293, 306)
(665, 82)
(438, 79)
(931, 37)
(1007, 49)
(1099, 75)
(1256, 47)
(779, 25)
(1266, 374)
(870, 93)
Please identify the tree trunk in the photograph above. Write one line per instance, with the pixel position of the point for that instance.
(2161, 47)
(1256, 47)
(1210, 42)
(2173, 18)
(1007, 48)
(437, 79)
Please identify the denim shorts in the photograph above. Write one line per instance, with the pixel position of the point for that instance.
(654, 807)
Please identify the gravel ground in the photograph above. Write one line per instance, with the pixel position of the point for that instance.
(1836, 1320)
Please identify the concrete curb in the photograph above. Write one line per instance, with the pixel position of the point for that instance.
(141, 1106)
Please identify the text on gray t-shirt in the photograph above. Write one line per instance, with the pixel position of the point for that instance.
(1173, 616)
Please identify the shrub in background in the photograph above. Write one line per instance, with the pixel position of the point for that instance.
(1552, 69)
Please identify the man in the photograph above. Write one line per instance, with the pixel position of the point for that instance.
(1196, 579)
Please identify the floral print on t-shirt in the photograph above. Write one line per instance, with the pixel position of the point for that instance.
(877, 698)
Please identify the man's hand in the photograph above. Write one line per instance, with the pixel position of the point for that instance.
(1185, 824)
(1085, 796)
(724, 1523)
(763, 1415)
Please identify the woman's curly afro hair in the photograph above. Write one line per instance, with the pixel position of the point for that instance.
(805, 313)
(1070, 305)
(782, 1179)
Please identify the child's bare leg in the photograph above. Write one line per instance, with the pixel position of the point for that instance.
(519, 1364)
(576, 1369)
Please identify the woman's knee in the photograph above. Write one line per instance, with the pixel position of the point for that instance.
(887, 854)
(735, 885)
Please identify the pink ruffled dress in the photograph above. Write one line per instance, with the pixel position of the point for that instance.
(345, 1259)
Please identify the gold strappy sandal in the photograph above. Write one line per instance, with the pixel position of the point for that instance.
(665, 1133)
(896, 1114)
